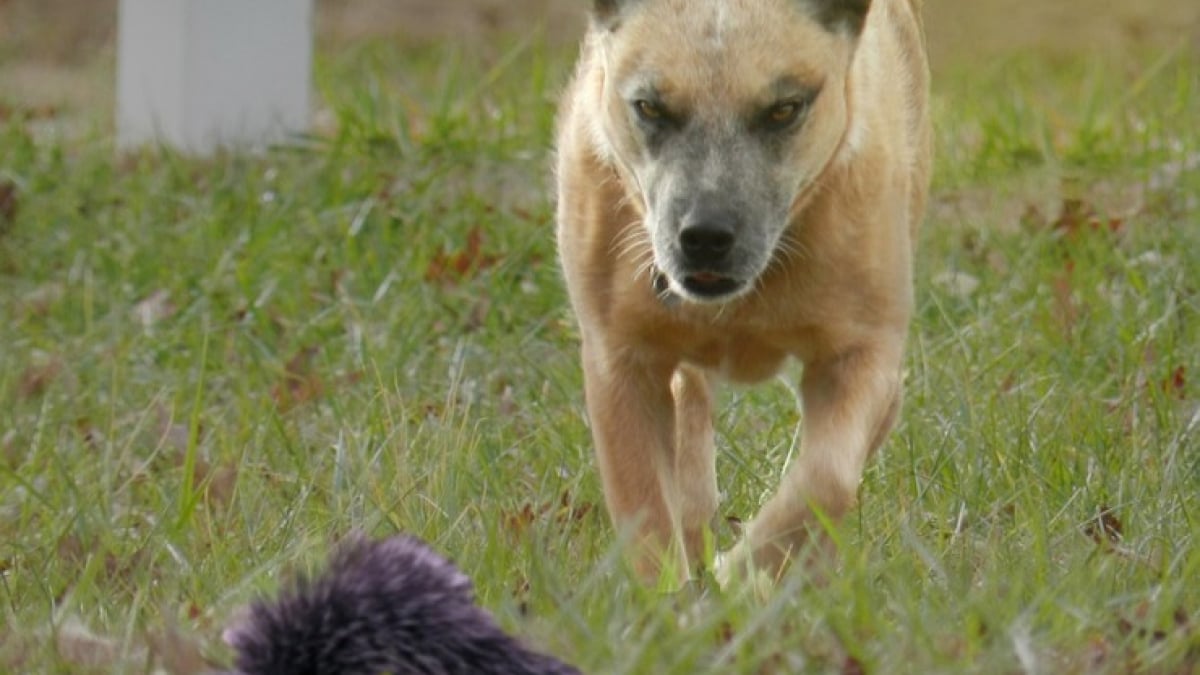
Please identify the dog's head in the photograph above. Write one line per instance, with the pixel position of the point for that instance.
(721, 115)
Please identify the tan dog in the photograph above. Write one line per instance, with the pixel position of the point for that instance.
(740, 181)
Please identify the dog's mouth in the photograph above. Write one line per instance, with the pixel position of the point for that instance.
(701, 286)
(711, 286)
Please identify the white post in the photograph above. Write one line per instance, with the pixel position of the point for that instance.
(201, 74)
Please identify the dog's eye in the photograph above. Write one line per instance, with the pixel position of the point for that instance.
(781, 115)
(650, 111)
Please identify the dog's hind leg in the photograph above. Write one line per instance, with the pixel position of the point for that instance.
(695, 461)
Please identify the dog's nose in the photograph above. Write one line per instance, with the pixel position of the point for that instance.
(707, 242)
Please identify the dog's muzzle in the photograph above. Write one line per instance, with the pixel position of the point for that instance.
(701, 286)
(706, 245)
(662, 288)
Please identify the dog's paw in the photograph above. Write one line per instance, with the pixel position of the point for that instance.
(735, 571)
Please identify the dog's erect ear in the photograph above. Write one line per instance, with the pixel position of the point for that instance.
(841, 15)
(607, 13)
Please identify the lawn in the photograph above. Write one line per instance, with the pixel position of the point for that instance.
(212, 370)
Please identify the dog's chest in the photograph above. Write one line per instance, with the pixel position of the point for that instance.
(737, 357)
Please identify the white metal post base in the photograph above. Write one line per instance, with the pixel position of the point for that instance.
(202, 74)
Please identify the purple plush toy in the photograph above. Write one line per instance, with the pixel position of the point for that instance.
(392, 606)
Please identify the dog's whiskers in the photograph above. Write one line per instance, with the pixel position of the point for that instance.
(634, 244)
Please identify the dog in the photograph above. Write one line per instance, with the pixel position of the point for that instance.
(740, 182)
(391, 606)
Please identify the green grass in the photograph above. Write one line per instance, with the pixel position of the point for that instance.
(211, 370)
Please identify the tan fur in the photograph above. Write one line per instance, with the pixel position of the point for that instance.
(837, 293)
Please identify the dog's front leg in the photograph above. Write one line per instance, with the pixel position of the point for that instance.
(850, 403)
(632, 413)
(695, 460)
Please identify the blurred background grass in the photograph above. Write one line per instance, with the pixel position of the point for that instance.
(59, 53)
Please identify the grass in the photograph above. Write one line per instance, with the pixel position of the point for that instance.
(214, 369)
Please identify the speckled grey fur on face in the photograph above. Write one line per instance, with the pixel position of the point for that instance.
(391, 606)
(717, 168)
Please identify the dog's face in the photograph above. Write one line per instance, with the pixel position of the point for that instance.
(721, 115)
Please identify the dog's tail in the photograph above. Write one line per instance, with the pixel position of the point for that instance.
(391, 606)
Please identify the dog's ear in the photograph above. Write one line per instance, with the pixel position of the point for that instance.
(841, 15)
(607, 13)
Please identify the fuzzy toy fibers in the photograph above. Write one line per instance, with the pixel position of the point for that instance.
(391, 606)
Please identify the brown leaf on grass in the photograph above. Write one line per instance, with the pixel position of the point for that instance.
(1105, 528)
(1140, 626)
(517, 521)
(37, 378)
(217, 481)
(1032, 218)
(450, 268)
(241, 311)
(1175, 384)
(300, 384)
(1077, 217)
(337, 282)
(28, 113)
(1181, 618)
(123, 568)
(1008, 383)
(1073, 217)
(852, 666)
(89, 433)
(570, 511)
(8, 205)
(535, 217)
(1097, 653)
(566, 512)
(520, 593)
(1008, 511)
(45, 111)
